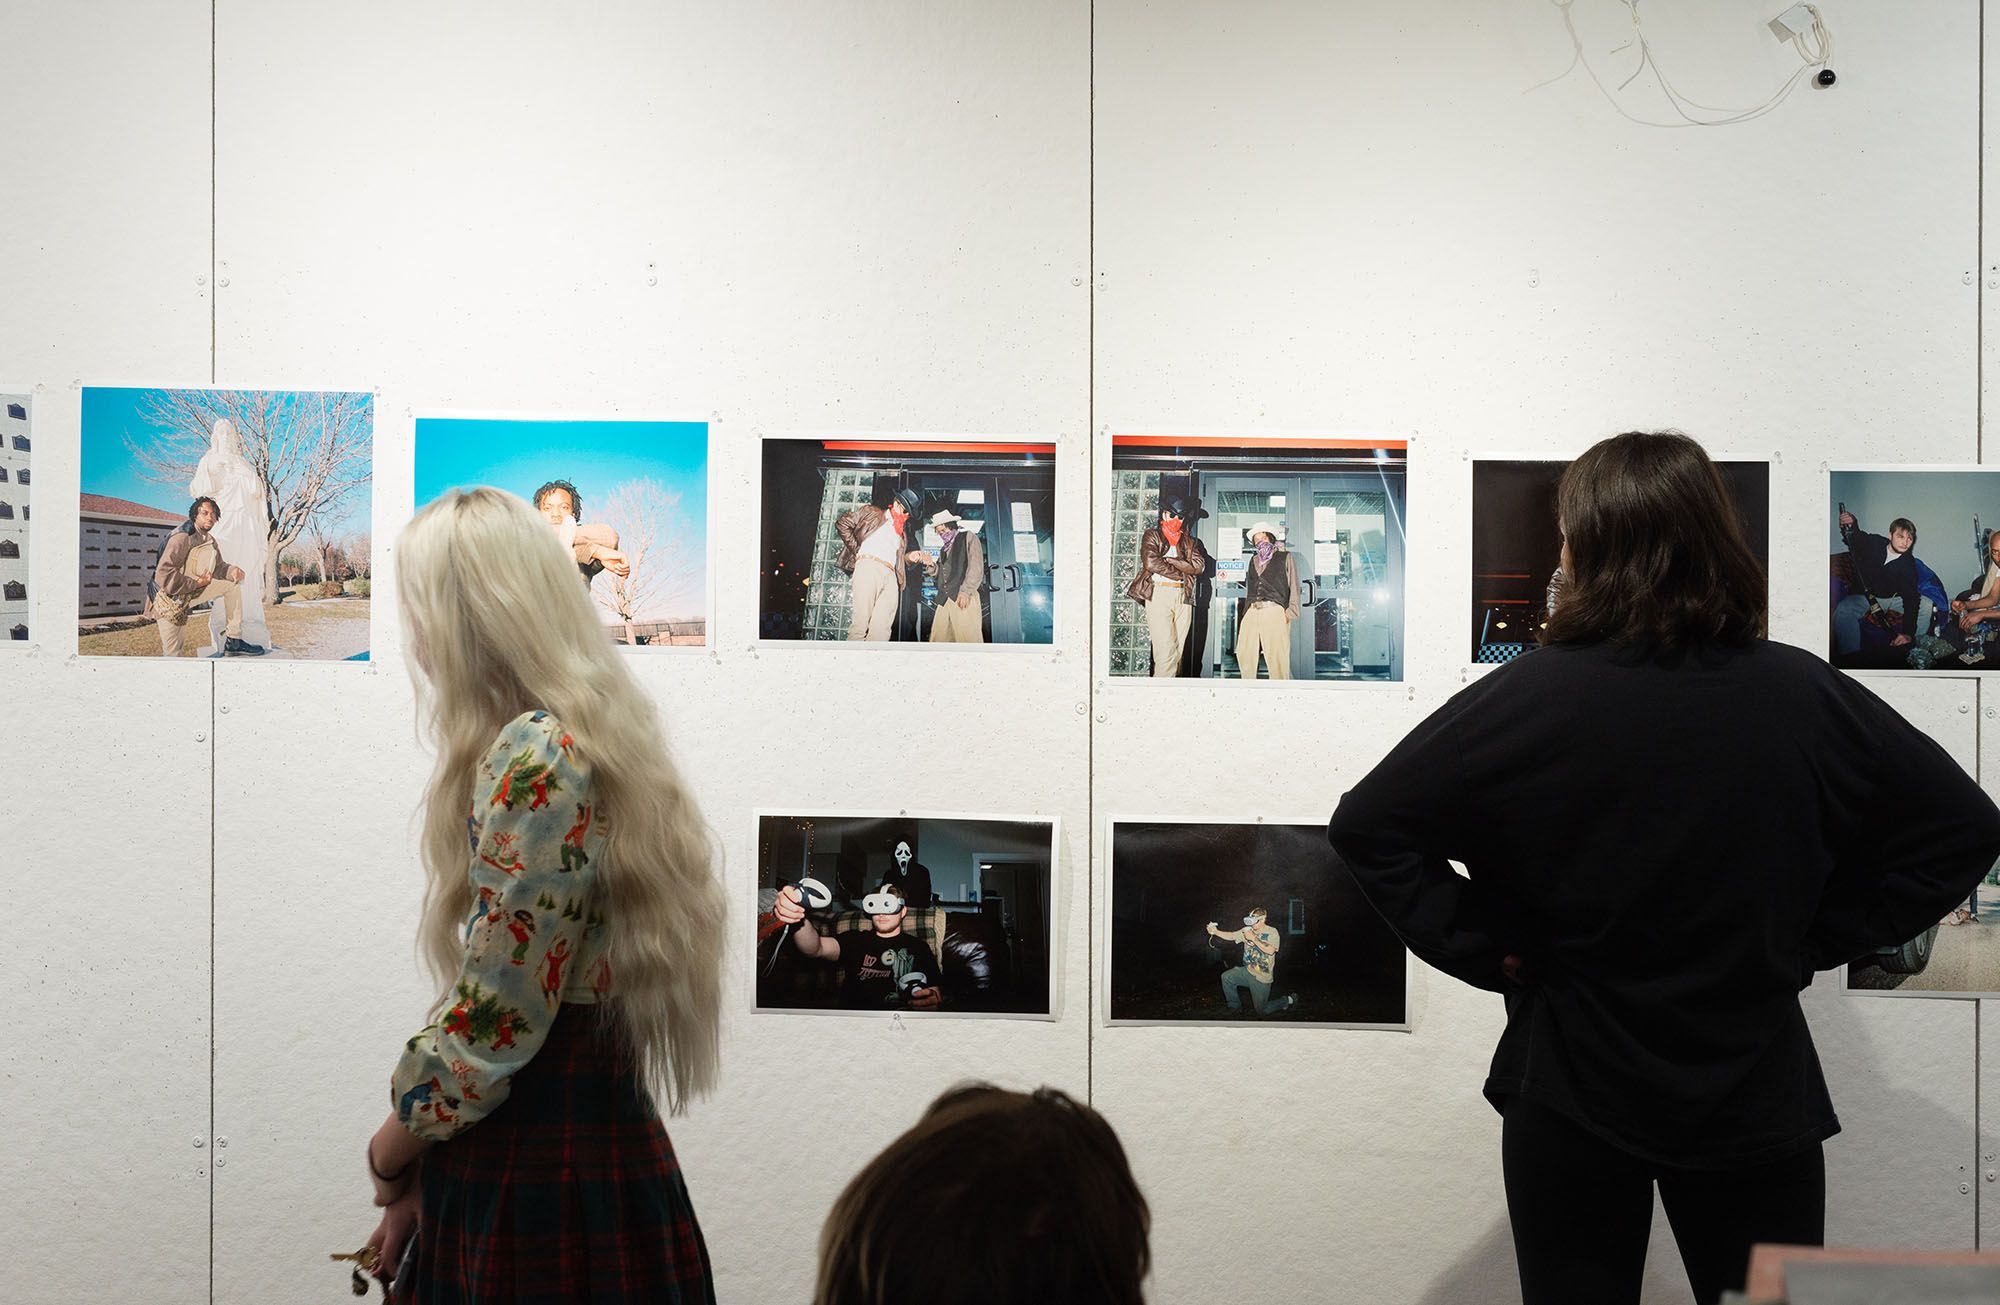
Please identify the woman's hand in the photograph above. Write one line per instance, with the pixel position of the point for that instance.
(399, 1224)
(1515, 969)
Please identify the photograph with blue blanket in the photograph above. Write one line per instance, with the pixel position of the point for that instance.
(1914, 569)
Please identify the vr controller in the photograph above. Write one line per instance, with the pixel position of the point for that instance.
(912, 981)
(815, 895)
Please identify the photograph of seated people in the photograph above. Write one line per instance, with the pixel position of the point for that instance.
(1959, 956)
(1302, 944)
(919, 541)
(1914, 570)
(991, 1196)
(1516, 543)
(1257, 558)
(888, 913)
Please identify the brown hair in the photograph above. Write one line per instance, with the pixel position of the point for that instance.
(992, 1197)
(1657, 557)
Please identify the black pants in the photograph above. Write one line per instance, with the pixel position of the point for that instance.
(1582, 1211)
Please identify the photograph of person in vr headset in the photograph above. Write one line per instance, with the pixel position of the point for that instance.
(885, 969)
(850, 905)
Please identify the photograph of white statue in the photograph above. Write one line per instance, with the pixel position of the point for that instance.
(225, 523)
(240, 532)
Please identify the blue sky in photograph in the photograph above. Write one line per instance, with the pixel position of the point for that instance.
(111, 415)
(597, 457)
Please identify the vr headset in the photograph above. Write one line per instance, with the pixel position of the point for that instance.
(883, 901)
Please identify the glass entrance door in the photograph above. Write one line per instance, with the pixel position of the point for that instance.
(1344, 535)
(1015, 520)
(1024, 581)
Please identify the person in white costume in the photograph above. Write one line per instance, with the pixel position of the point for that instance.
(242, 533)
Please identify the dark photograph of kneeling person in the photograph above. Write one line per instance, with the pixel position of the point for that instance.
(903, 913)
(1245, 923)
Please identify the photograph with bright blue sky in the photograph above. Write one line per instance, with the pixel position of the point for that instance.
(142, 445)
(291, 473)
(645, 480)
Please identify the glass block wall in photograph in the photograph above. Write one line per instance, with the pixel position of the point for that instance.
(828, 602)
(1135, 495)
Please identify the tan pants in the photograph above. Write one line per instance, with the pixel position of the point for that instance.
(1168, 619)
(173, 633)
(952, 624)
(1264, 629)
(875, 597)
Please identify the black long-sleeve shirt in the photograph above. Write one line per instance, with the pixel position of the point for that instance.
(1886, 574)
(1673, 849)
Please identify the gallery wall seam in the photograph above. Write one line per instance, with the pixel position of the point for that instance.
(1090, 835)
(214, 1152)
(213, 166)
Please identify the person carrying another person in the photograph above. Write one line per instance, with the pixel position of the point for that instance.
(595, 547)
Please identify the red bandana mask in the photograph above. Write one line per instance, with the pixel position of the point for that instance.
(897, 517)
(1171, 527)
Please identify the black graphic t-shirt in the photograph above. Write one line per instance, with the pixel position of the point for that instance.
(872, 968)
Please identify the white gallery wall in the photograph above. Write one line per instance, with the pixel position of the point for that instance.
(1050, 220)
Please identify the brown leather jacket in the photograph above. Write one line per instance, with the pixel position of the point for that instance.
(1153, 561)
(855, 526)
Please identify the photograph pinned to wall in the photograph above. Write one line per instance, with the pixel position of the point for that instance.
(950, 914)
(17, 456)
(908, 541)
(225, 523)
(627, 496)
(1258, 557)
(1517, 545)
(1913, 564)
(1948, 959)
(1226, 923)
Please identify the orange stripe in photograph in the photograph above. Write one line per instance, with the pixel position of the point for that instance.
(1252, 442)
(931, 446)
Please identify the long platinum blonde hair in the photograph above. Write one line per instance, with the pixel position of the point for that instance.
(501, 624)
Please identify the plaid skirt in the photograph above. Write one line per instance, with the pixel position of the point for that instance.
(569, 1191)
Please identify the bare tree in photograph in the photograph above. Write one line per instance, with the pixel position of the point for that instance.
(323, 548)
(359, 548)
(312, 450)
(647, 516)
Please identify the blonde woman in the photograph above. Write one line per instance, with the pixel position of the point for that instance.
(573, 920)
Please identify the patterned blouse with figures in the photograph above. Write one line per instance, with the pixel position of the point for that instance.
(534, 940)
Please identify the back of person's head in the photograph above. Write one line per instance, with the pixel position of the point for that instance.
(1657, 559)
(500, 622)
(992, 1197)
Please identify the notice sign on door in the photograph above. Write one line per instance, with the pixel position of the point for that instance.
(1027, 550)
(1326, 559)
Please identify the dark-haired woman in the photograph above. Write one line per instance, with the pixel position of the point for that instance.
(991, 1196)
(1669, 824)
